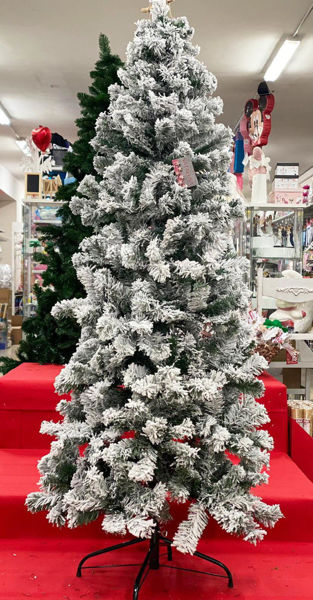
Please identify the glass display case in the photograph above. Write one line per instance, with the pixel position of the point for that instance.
(35, 212)
(273, 240)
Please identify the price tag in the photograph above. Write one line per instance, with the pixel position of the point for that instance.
(184, 171)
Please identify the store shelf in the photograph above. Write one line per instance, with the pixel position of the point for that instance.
(302, 336)
(47, 222)
(36, 202)
(305, 359)
(279, 219)
(276, 252)
(271, 206)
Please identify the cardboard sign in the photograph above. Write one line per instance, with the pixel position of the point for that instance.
(184, 171)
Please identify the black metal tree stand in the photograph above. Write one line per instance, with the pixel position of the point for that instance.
(152, 560)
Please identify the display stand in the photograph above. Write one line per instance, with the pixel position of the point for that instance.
(152, 560)
(32, 272)
(264, 243)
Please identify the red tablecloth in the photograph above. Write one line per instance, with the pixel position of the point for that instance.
(275, 401)
(29, 387)
(301, 448)
(27, 397)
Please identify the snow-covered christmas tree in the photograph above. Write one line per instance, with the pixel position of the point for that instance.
(166, 351)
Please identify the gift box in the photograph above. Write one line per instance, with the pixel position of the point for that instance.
(5, 295)
(16, 320)
(285, 183)
(287, 169)
(16, 335)
(281, 356)
(288, 197)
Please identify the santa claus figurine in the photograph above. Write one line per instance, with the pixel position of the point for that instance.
(297, 314)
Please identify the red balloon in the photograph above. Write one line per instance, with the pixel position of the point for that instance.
(42, 137)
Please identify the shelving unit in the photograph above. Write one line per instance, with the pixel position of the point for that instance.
(3, 325)
(305, 362)
(31, 274)
(264, 246)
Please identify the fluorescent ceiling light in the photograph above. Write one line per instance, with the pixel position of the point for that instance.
(4, 117)
(23, 146)
(281, 59)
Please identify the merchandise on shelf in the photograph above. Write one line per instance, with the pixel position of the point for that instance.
(43, 213)
(302, 412)
(286, 196)
(271, 337)
(285, 183)
(299, 314)
(3, 325)
(272, 239)
(5, 276)
(46, 213)
(51, 185)
(287, 170)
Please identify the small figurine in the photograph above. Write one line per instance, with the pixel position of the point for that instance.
(284, 236)
(259, 173)
(255, 226)
(277, 238)
(268, 227)
(290, 243)
(300, 313)
(259, 231)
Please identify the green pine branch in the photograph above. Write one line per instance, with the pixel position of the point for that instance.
(45, 339)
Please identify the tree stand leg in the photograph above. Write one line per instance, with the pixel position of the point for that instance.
(152, 560)
(214, 561)
(104, 551)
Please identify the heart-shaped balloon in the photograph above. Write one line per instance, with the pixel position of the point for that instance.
(42, 137)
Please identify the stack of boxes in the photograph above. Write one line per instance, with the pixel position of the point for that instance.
(16, 329)
(10, 325)
(286, 188)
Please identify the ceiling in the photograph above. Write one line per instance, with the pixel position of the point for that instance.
(47, 50)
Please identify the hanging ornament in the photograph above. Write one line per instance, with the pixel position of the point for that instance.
(42, 137)
(257, 118)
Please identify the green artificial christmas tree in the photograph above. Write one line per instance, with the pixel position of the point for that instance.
(166, 350)
(47, 340)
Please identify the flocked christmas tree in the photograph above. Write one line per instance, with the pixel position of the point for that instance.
(166, 350)
(45, 339)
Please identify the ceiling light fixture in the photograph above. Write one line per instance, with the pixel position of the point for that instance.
(4, 117)
(281, 59)
(23, 146)
(285, 50)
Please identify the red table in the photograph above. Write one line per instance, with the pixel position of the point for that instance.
(275, 401)
(27, 397)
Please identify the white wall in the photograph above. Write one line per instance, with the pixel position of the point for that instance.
(11, 194)
(7, 217)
